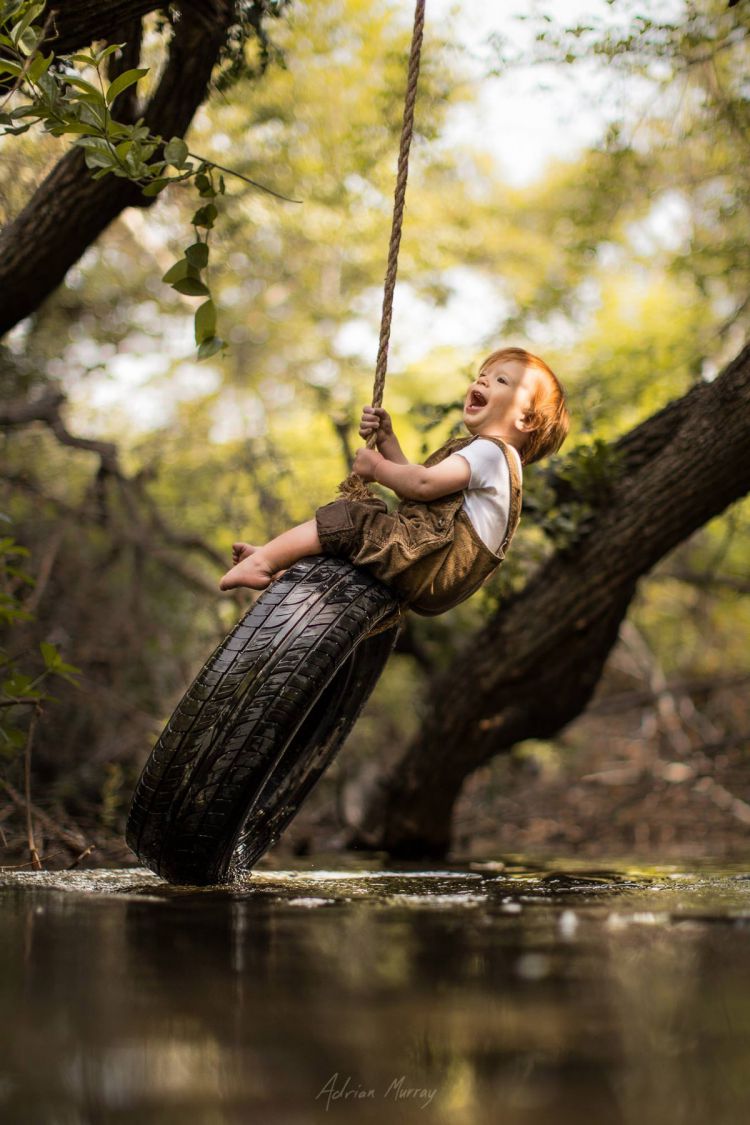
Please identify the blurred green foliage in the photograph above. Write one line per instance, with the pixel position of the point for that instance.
(23, 677)
(51, 91)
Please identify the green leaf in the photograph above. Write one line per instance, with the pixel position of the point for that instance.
(210, 347)
(205, 217)
(205, 189)
(75, 127)
(51, 657)
(50, 85)
(8, 67)
(127, 78)
(179, 270)
(69, 677)
(18, 31)
(29, 41)
(205, 322)
(39, 66)
(27, 111)
(197, 255)
(97, 152)
(191, 287)
(117, 129)
(110, 50)
(87, 60)
(155, 187)
(85, 87)
(99, 160)
(94, 115)
(19, 684)
(176, 152)
(15, 739)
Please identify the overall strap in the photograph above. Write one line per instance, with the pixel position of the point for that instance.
(514, 512)
(453, 445)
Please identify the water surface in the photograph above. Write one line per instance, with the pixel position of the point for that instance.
(513, 993)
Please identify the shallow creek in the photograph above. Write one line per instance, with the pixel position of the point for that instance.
(515, 992)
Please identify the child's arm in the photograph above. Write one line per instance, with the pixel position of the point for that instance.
(378, 421)
(414, 482)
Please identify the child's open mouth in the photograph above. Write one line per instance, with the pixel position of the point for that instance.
(476, 401)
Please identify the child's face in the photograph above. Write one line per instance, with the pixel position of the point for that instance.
(498, 400)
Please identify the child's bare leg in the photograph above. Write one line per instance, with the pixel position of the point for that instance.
(257, 570)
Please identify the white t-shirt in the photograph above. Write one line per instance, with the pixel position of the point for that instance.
(487, 495)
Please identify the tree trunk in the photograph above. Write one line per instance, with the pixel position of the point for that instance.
(534, 666)
(69, 210)
(78, 23)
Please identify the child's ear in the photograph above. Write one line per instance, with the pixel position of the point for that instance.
(528, 422)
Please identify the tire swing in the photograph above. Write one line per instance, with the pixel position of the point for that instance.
(274, 703)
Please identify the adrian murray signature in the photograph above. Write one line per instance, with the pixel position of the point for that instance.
(336, 1089)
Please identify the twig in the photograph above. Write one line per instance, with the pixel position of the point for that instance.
(78, 858)
(723, 799)
(72, 840)
(45, 571)
(20, 866)
(665, 706)
(239, 175)
(627, 700)
(36, 863)
(709, 581)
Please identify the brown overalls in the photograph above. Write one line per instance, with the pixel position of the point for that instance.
(427, 551)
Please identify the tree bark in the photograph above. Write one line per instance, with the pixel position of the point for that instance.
(534, 666)
(69, 210)
(78, 23)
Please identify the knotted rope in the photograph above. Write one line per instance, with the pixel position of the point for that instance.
(354, 488)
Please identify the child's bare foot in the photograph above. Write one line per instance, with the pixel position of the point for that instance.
(241, 551)
(253, 570)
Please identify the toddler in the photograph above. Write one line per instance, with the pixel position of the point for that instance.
(458, 511)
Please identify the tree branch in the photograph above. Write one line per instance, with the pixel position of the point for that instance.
(78, 23)
(145, 533)
(129, 536)
(535, 665)
(69, 210)
(46, 409)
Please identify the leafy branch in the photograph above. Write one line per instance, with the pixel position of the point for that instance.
(68, 101)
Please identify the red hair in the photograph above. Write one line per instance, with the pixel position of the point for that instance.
(548, 415)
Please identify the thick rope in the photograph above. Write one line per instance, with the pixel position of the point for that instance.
(398, 204)
(354, 487)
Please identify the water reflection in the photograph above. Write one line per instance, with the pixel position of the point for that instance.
(506, 995)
